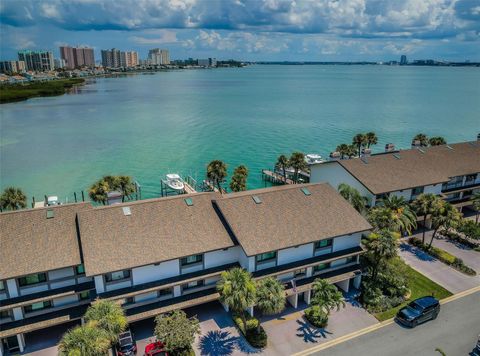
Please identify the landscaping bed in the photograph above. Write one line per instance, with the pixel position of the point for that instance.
(419, 286)
(444, 256)
(255, 334)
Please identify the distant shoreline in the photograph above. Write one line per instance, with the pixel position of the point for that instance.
(419, 64)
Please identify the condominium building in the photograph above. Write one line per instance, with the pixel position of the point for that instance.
(159, 56)
(111, 58)
(450, 171)
(129, 59)
(60, 63)
(37, 60)
(12, 66)
(157, 255)
(75, 57)
(208, 62)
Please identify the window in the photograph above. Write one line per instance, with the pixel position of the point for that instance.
(194, 284)
(189, 201)
(128, 301)
(37, 306)
(417, 191)
(5, 314)
(2, 286)
(84, 295)
(351, 259)
(300, 273)
(80, 269)
(117, 276)
(165, 292)
(190, 260)
(265, 257)
(470, 179)
(321, 267)
(32, 279)
(323, 243)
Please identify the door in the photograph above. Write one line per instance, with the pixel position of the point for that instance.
(11, 344)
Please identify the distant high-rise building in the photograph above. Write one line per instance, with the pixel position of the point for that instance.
(59, 63)
(129, 59)
(37, 60)
(159, 56)
(77, 56)
(403, 60)
(208, 62)
(12, 66)
(111, 58)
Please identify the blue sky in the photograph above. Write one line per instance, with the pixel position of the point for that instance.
(315, 30)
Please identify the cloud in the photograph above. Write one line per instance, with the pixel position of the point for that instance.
(160, 37)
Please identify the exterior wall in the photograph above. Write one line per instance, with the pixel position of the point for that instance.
(99, 284)
(118, 285)
(434, 189)
(153, 273)
(246, 262)
(348, 241)
(221, 257)
(294, 254)
(406, 194)
(335, 174)
(146, 296)
(71, 299)
(12, 288)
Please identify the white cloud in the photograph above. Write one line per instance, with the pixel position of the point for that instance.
(161, 37)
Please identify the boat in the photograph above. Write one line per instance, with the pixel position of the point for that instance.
(313, 158)
(175, 182)
(52, 200)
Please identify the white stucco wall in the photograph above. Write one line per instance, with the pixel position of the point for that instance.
(222, 257)
(12, 288)
(118, 285)
(246, 262)
(99, 285)
(335, 174)
(151, 273)
(61, 273)
(295, 254)
(348, 241)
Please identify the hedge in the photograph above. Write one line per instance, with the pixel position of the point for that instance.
(255, 334)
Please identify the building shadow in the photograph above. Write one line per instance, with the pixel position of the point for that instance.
(421, 255)
(218, 343)
(309, 333)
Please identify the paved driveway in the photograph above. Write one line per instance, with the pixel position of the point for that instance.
(470, 257)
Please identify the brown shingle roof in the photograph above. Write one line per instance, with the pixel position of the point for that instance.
(157, 230)
(287, 217)
(31, 243)
(385, 173)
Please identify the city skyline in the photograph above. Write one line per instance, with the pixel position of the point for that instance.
(357, 30)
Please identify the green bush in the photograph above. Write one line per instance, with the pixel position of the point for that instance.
(316, 316)
(470, 228)
(255, 334)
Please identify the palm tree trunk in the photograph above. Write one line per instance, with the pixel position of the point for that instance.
(284, 174)
(244, 321)
(476, 218)
(424, 227)
(433, 236)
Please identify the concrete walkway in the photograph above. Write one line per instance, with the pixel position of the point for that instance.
(470, 257)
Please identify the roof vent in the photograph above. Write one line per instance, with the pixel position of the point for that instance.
(449, 147)
(126, 211)
(422, 151)
(256, 199)
(189, 201)
(306, 191)
(396, 155)
(50, 213)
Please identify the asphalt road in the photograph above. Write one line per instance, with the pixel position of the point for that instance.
(455, 331)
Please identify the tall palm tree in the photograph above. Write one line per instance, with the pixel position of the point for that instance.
(446, 216)
(423, 205)
(126, 186)
(241, 169)
(217, 172)
(238, 183)
(353, 196)
(98, 191)
(422, 138)
(343, 149)
(476, 204)
(13, 199)
(86, 340)
(437, 141)
(372, 139)
(297, 162)
(351, 151)
(402, 212)
(238, 291)
(108, 316)
(326, 296)
(270, 296)
(381, 246)
(359, 140)
(282, 163)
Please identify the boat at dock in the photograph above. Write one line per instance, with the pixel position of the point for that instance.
(313, 158)
(175, 182)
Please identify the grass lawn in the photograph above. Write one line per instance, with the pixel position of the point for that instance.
(420, 286)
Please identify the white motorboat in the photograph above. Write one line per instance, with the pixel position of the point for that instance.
(53, 200)
(175, 182)
(313, 158)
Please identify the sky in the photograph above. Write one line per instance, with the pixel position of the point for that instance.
(250, 30)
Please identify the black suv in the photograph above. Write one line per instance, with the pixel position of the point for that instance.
(418, 311)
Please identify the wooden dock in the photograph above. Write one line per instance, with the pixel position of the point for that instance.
(275, 178)
(188, 188)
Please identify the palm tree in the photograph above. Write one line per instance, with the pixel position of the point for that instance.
(353, 196)
(476, 204)
(359, 140)
(86, 340)
(237, 291)
(238, 183)
(402, 212)
(108, 316)
(343, 149)
(421, 138)
(126, 186)
(423, 205)
(326, 296)
(352, 151)
(270, 296)
(381, 245)
(98, 191)
(372, 139)
(446, 216)
(282, 163)
(297, 162)
(13, 199)
(217, 172)
(437, 141)
(241, 169)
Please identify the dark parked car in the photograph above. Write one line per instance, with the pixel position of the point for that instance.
(126, 345)
(418, 311)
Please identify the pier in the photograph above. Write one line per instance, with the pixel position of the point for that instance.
(275, 178)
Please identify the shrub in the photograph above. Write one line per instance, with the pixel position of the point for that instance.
(255, 334)
(316, 316)
(470, 228)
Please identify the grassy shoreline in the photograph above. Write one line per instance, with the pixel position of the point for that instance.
(18, 92)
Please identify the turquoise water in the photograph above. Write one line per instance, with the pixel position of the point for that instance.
(148, 125)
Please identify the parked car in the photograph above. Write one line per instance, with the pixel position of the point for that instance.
(126, 345)
(419, 311)
(155, 349)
